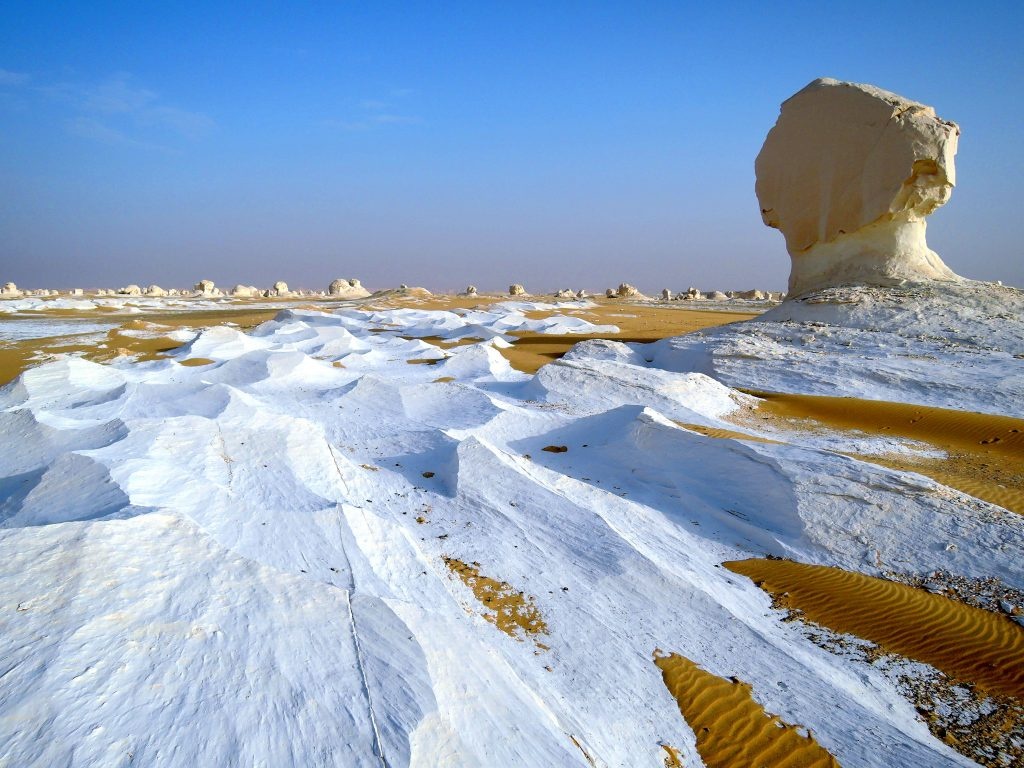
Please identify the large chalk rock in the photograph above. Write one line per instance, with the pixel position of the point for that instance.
(848, 174)
(347, 289)
(207, 289)
(10, 289)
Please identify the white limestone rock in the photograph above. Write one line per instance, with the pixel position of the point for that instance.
(848, 174)
(715, 296)
(516, 290)
(666, 294)
(347, 289)
(130, 290)
(627, 291)
(155, 290)
(10, 290)
(245, 292)
(565, 293)
(207, 289)
(470, 291)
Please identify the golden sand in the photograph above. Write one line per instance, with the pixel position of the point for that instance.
(15, 357)
(637, 324)
(732, 729)
(966, 643)
(672, 758)
(984, 453)
(508, 609)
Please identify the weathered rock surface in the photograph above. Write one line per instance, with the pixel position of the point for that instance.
(347, 289)
(516, 290)
(130, 290)
(10, 289)
(155, 290)
(207, 289)
(848, 174)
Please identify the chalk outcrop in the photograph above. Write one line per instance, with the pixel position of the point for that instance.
(245, 292)
(848, 175)
(470, 291)
(155, 290)
(207, 289)
(130, 290)
(10, 290)
(347, 289)
(516, 290)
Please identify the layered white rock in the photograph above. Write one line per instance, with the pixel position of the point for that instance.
(10, 289)
(848, 174)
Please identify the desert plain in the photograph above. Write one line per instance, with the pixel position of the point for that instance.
(508, 529)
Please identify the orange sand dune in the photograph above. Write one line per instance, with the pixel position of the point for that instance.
(967, 643)
(732, 729)
(984, 453)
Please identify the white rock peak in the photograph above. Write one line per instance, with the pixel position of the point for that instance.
(848, 174)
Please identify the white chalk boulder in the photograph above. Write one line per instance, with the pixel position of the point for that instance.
(516, 290)
(207, 289)
(347, 289)
(848, 174)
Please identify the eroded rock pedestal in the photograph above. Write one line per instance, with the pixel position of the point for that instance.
(848, 174)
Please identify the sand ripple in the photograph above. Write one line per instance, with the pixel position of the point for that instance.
(966, 643)
(732, 729)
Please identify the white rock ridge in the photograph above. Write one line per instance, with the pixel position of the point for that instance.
(848, 174)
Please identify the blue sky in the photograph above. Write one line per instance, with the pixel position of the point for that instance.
(569, 144)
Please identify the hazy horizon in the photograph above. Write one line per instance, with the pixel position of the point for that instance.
(574, 146)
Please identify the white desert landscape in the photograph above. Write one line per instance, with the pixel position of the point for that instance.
(270, 527)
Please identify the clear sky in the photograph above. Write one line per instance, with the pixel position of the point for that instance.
(440, 144)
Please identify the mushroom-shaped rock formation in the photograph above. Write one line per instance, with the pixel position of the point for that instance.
(848, 174)
(516, 290)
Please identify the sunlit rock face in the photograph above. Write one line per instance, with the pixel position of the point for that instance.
(848, 174)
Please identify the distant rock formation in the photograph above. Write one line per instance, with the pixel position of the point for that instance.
(627, 291)
(848, 174)
(77, 292)
(715, 296)
(10, 290)
(207, 289)
(611, 294)
(565, 293)
(130, 290)
(246, 292)
(666, 294)
(347, 289)
(155, 290)
(470, 291)
(516, 290)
